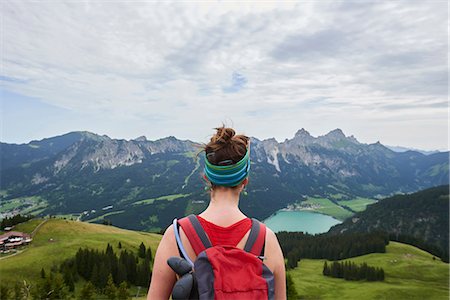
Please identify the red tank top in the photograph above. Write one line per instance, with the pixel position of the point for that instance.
(230, 235)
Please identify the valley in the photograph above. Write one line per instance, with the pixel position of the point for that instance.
(94, 178)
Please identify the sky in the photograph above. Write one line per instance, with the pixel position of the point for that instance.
(378, 70)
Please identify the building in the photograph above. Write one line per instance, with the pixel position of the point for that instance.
(14, 239)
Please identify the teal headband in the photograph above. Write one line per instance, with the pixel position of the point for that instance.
(231, 175)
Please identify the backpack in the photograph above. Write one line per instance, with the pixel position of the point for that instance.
(221, 272)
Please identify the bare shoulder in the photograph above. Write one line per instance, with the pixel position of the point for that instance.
(273, 252)
(169, 233)
(272, 241)
(168, 242)
(275, 262)
(270, 235)
(163, 277)
(168, 238)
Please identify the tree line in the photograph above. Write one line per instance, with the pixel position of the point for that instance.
(96, 266)
(14, 220)
(351, 271)
(298, 245)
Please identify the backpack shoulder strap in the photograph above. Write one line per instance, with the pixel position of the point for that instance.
(257, 239)
(195, 233)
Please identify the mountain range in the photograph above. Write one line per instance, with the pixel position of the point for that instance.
(142, 184)
(404, 149)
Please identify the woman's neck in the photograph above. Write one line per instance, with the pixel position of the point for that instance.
(223, 209)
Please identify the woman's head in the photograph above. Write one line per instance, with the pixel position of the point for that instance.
(227, 158)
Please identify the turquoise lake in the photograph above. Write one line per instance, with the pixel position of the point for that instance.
(305, 221)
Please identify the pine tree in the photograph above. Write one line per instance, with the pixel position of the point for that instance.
(334, 269)
(87, 292)
(110, 289)
(130, 263)
(42, 273)
(380, 274)
(95, 277)
(109, 250)
(60, 290)
(346, 271)
(370, 274)
(362, 274)
(326, 270)
(119, 245)
(142, 249)
(103, 275)
(68, 280)
(121, 273)
(149, 254)
(122, 292)
(292, 260)
(143, 273)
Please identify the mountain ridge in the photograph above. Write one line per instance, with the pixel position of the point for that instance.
(83, 171)
(301, 132)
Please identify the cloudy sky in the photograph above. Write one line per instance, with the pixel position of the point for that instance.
(377, 70)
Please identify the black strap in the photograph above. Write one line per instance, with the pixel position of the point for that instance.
(253, 236)
(200, 231)
(262, 249)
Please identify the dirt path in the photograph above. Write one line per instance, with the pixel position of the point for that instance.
(18, 252)
(37, 227)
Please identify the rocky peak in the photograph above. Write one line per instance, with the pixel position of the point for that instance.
(353, 139)
(302, 137)
(95, 137)
(142, 138)
(335, 134)
(302, 133)
(271, 141)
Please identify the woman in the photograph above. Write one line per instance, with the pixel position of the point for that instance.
(223, 222)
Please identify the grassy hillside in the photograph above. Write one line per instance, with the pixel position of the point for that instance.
(59, 239)
(410, 274)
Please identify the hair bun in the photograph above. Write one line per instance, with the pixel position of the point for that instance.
(226, 145)
(224, 135)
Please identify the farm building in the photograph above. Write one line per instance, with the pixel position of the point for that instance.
(13, 239)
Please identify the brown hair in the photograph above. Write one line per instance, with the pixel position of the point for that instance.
(226, 145)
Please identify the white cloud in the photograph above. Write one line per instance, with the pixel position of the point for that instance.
(169, 65)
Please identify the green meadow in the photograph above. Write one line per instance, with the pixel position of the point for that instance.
(358, 204)
(105, 215)
(166, 198)
(410, 273)
(326, 207)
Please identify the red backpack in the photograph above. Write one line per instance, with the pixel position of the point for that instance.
(226, 272)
